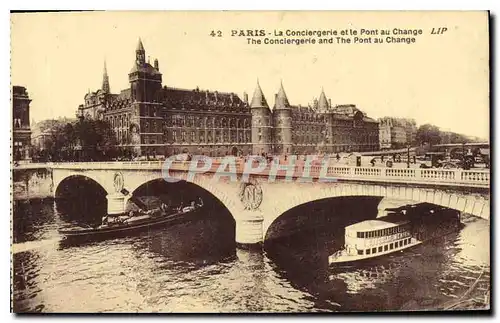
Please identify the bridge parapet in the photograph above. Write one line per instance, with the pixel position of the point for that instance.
(421, 176)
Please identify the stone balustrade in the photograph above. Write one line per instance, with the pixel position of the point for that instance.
(459, 177)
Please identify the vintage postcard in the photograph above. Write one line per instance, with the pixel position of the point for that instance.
(250, 161)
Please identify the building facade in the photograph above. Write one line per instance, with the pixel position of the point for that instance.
(152, 119)
(321, 128)
(385, 134)
(21, 136)
(396, 132)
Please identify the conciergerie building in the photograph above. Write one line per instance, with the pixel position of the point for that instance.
(152, 119)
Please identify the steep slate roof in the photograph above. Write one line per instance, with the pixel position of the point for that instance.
(323, 102)
(281, 99)
(174, 97)
(146, 68)
(125, 94)
(140, 46)
(258, 99)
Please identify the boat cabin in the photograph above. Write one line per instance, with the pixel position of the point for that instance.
(376, 236)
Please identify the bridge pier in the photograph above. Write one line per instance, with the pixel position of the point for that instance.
(250, 232)
(116, 203)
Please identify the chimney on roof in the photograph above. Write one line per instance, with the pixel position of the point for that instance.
(245, 97)
(156, 65)
(330, 103)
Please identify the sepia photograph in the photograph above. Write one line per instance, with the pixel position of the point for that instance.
(250, 161)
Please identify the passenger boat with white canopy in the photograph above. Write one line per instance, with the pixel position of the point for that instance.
(374, 238)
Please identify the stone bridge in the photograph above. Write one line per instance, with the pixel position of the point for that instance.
(257, 201)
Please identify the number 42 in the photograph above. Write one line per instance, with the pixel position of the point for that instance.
(217, 33)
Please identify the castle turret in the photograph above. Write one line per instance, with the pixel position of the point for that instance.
(282, 123)
(261, 123)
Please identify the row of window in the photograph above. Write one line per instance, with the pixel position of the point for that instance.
(210, 137)
(307, 117)
(308, 128)
(386, 247)
(210, 106)
(382, 232)
(211, 122)
(121, 121)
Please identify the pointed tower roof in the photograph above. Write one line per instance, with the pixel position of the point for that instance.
(323, 102)
(281, 99)
(258, 99)
(140, 47)
(105, 79)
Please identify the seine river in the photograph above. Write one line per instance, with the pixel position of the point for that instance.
(196, 267)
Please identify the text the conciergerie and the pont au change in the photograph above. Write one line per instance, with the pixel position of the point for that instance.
(329, 36)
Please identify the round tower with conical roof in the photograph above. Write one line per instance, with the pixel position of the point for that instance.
(282, 123)
(261, 123)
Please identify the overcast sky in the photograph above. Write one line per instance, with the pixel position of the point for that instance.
(441, 80)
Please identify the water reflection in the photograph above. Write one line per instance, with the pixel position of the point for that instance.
(195, 267)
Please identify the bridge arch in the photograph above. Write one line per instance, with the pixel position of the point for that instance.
(325, 214)
(465, 202)
(185, 190)
(216, 189)
(78, 182)
(61, 175)
(80, 197)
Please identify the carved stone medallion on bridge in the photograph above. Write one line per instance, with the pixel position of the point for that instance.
(118, 182)
(251, 195)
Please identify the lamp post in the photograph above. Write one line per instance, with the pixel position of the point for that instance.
(464, 166)
(408, 156)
